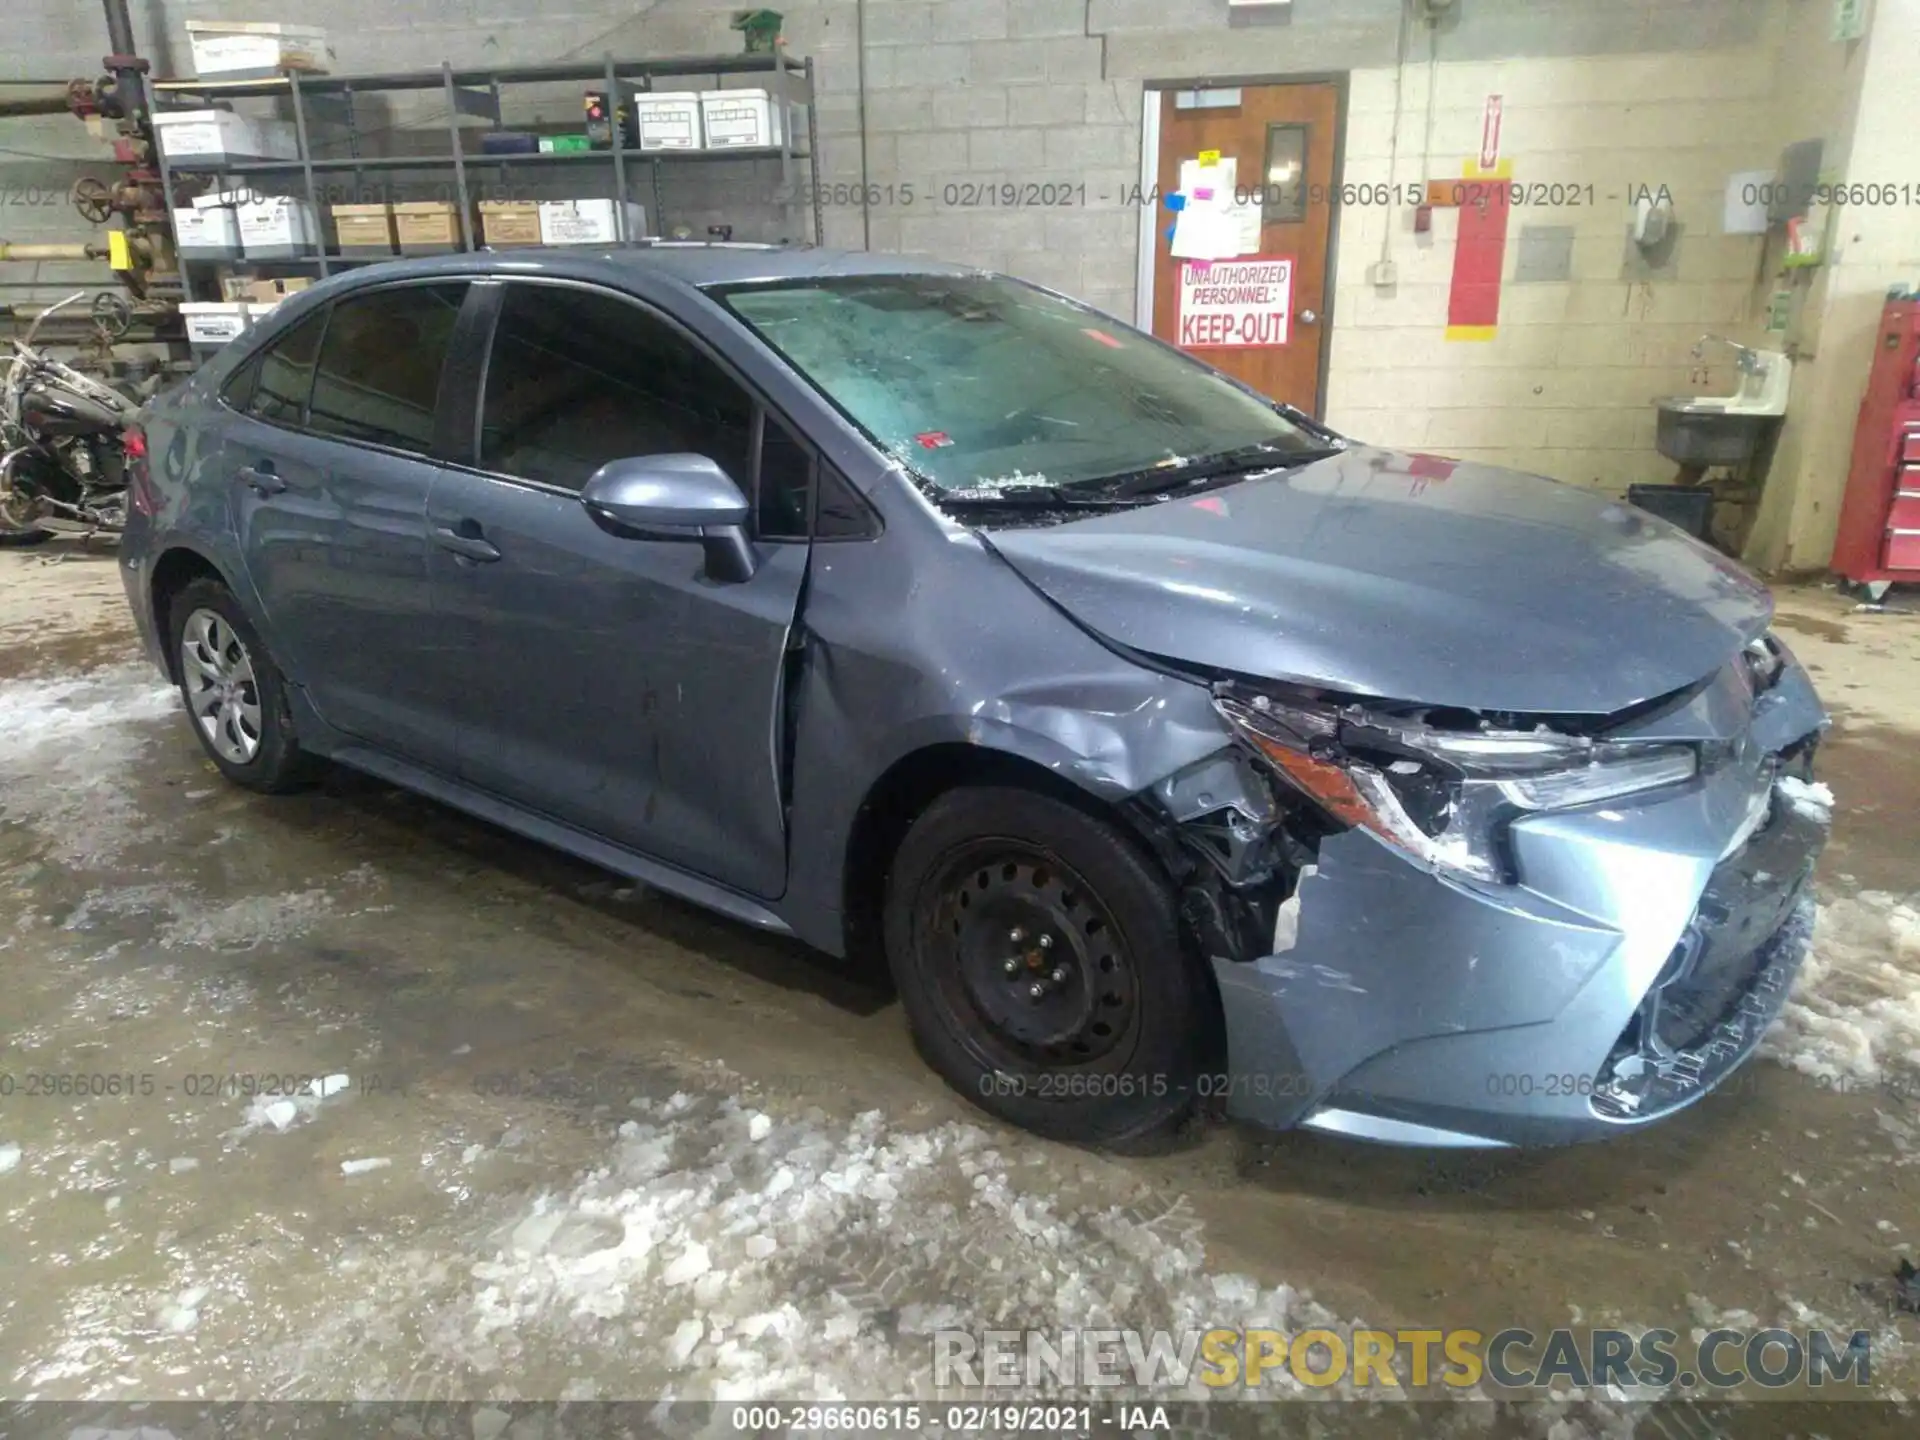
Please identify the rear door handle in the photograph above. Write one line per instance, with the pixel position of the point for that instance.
(467, 546)
(261, 478)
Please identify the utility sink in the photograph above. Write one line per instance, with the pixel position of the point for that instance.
(1702, 430)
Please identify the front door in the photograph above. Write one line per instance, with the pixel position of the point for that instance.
(1256, 309)
(607, 680)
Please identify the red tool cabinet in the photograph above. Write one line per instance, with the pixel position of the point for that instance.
(1879, 537)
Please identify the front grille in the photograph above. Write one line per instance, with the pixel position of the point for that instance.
(1726, 979)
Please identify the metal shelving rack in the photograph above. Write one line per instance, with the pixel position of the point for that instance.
(330, 98)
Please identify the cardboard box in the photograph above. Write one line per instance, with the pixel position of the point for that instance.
(212, 323)
(741, 119)
(588, 222)
(278, 227)
(668, 120)
(364, 229)
(426, 227)
(265, 294)
(218, 137)
(208, 229)
(507, 223)
(241, 50)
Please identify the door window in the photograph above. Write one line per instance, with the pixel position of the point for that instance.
(579, 378)
(274, 384)
(1284, 193)
(786, 484)
(378, 376)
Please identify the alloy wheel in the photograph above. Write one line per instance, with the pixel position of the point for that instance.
(223, 694)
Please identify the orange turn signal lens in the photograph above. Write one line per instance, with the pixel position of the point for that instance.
(1321, 780)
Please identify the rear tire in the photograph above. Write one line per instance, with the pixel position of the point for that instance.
(1038, 954)
(235, 695)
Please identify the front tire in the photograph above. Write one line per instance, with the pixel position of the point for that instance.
(1038, 955)
(235, 695)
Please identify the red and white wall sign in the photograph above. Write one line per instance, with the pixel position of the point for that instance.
(1490, 133)
(1244, 304)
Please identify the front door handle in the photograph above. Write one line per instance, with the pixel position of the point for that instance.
(261, 478)
(466, 546)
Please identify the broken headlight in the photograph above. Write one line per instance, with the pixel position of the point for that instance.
(1443, 796)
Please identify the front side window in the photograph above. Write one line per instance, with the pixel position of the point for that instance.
(786, 484)
(578, 378)
(984, 384)
(378, 376)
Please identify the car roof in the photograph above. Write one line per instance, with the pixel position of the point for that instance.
(687, 264)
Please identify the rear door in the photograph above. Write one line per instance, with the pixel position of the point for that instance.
(608, 682)
(1259, 316)
(331, 462)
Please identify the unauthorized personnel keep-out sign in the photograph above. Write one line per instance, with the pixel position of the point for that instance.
(1243, 304)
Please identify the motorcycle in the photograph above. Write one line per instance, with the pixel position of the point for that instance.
(66, 444)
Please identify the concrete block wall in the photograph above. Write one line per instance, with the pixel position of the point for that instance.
(1567, 386)
(963, 96)
(40, 158)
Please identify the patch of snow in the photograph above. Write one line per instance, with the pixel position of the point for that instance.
(180, 1164)
(248, 922)
(1854, 1015)
(9, 1156)
(725, 1253)
(282, 1112)
(361, 1167)
(1809, 798)
(66, 748)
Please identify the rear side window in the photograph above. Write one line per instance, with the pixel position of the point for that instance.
(577, 379)
(378, 376)
(274, 384)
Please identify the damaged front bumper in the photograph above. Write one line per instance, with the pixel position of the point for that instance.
(1633, 960)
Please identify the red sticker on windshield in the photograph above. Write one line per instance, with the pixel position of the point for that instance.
(1102, 337)
(934, 440)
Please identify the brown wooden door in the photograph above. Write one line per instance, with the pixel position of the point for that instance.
(1282, 138)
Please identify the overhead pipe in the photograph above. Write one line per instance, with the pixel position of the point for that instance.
(52, 250)
(36, 100)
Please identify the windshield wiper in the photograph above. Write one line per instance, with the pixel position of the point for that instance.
(1158, 479)
(1033, 497)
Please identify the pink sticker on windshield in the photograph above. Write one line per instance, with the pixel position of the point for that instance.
(934, 440)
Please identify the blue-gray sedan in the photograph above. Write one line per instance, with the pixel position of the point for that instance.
(1175, 751)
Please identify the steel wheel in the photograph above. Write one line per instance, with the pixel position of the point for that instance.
(1032, 963)
(222, 691)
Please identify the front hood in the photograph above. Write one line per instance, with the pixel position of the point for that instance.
(1407, 577)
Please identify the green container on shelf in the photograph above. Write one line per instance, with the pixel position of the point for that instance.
(564, 144)
(762, 29)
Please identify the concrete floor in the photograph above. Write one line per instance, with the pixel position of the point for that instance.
(626, 1149)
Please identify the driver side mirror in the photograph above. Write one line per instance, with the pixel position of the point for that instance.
(675, 497)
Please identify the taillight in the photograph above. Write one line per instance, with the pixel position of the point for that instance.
(133, 441)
